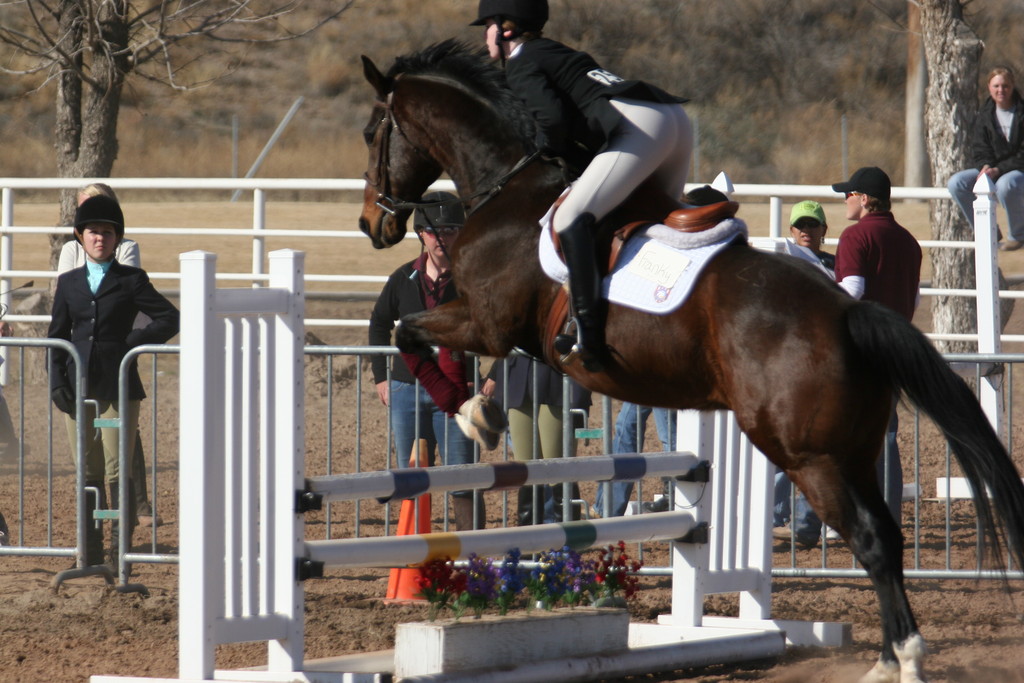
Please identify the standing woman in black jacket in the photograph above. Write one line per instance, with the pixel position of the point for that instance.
(94, 307)
(997, 150)
(618, 132)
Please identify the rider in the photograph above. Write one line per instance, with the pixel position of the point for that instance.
(619, 132)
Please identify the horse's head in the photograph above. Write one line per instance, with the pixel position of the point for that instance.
(397, 172)
(446, 109)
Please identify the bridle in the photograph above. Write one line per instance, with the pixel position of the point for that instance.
(380, 182)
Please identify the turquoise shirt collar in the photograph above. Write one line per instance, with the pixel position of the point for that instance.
(94, 273)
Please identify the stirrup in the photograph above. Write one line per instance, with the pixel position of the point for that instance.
(570, 347)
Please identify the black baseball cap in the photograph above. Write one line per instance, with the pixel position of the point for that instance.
(870, 180)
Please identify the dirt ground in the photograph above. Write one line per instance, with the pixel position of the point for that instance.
(974, 629)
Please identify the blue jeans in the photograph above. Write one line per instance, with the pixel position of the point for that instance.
(806, 523)
(1009, 193)
(440, 431)
(629, 438)
(892, 487)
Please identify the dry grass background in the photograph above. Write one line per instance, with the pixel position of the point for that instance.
(768, 82)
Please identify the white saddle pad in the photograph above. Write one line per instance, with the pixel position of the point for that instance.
(657, 267)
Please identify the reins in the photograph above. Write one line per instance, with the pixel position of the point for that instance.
(493, 191)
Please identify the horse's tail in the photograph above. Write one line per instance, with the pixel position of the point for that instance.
(899, 351)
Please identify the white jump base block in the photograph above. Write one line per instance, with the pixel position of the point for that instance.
(651, 647)
(798, 633)
(446, 646)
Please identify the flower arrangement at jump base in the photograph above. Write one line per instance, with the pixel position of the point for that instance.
(560, 578)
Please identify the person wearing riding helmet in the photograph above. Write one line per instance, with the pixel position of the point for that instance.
(618, 132)
(94, 308)
(420, 285)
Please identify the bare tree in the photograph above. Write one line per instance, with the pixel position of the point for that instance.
(915, 154)
(953, 52)
(88, 48)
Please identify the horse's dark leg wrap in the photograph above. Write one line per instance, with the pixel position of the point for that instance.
(577, 243)
(410, 339)
(877, 543)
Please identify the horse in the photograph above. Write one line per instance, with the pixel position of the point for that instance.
(811, 384)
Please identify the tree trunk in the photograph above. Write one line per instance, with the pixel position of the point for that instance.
(953, 53)
(87, 110)
(915, 154)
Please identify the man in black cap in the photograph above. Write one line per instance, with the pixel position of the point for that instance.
(879, 260)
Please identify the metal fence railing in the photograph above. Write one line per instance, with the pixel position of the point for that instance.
(347, 431)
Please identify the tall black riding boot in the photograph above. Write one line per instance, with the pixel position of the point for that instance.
(95, 499)
(557, 494)
(126, 525)
(579, 252)
(139, 480)
(524, 506)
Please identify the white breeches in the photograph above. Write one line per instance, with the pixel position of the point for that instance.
(653, 141)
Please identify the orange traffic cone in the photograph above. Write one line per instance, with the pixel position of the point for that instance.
(402, 584)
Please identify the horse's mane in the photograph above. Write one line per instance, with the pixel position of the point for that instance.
(472, 69)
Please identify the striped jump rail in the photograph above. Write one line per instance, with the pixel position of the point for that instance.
(411, 482)
(415, 549)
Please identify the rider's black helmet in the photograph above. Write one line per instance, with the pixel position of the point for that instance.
(529, 15)
(99, 209)
(450, 212)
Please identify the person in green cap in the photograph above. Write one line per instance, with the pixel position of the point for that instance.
(807, 228)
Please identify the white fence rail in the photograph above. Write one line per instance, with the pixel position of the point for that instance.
(257, 231)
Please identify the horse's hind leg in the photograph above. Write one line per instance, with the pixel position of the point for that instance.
(877, 542)
(858, 511)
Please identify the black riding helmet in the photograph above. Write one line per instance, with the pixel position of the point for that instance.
(448, 212)
(99, 209)
(529, 15)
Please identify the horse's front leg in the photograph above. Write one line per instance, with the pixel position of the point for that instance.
(449, 326)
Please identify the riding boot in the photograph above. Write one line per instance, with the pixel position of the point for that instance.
(557, 493)
(94, 528)
(588, 307)
(138, 465)
(116, 527)
(524, 506)
(463, 512)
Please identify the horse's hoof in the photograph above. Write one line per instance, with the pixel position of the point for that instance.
(882, 672)
(484, 413)
(911, 653)
(487, 440)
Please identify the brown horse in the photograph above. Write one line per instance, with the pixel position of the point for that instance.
(811, 384)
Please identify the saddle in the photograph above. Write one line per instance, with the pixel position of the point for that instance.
(646, 206)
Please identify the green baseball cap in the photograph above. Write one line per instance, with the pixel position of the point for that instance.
(807, 209)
